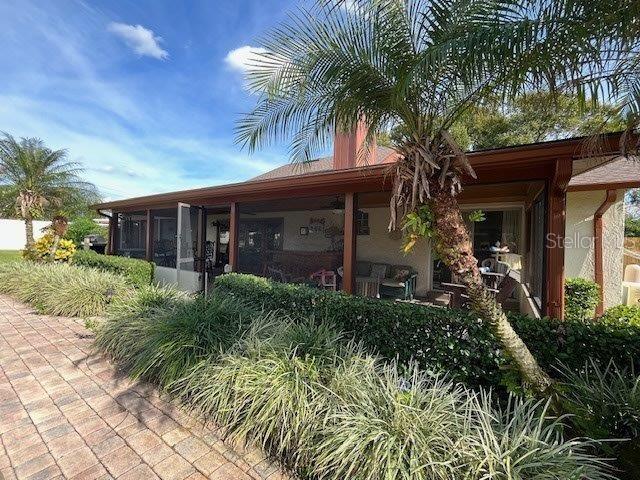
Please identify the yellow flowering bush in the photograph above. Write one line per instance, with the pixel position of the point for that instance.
(41, 250)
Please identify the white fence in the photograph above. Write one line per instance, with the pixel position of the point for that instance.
(12, 233)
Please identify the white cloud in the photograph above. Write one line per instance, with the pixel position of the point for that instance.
(142, 40)
(242, 58)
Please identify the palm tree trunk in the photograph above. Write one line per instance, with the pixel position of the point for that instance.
(454, 247)
(54, 247)
(28, 226)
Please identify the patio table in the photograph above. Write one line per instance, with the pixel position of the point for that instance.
(492, 278)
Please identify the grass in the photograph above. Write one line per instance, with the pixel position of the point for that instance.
(7, 256)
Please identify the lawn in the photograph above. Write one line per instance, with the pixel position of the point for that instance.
(9, 255)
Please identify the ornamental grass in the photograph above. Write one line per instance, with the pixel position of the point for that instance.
(325, 408)
(162, 334)
(61, 289)
(308, 395)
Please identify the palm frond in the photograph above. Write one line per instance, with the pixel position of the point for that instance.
(40, 176)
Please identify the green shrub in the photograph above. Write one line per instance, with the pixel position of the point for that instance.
(138, 272)
(305, 394)
(162, 344)
(604, 402)
(604, 399)
(581, 298)
(145, 301)
(631, 227)
(61, 289)
(401, 426)
(80, 227)
(270, 388)
(455, 341)
(622, 314)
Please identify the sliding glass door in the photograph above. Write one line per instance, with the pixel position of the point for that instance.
(498, 235)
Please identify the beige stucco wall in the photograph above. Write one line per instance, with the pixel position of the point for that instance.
(380, 246)
(292, 240)
(579, 248)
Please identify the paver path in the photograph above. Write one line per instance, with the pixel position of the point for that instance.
(65, 413)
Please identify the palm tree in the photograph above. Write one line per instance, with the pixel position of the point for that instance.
(416, 67)
(35, 180)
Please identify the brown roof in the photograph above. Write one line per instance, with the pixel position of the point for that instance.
(620, 172)
(525, 162)
(318, 165)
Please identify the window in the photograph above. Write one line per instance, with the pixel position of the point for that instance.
(362, 223)
(500, 228)
(536, 253)
(258, 239)
(262, 234)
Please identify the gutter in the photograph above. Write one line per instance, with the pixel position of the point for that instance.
(598, 226)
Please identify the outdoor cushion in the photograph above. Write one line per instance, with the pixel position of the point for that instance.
(379, 270)
(393, 283)
(400, 273)
(363, 269)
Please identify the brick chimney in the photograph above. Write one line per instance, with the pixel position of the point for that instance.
(347, 146)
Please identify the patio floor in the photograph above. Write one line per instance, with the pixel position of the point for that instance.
(65, 413)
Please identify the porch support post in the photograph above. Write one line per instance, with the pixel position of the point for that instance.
(200, 239)
(234, 221)
(113, 234)
(149, 237)
(598, 246)
(350, 237)
(554, 241)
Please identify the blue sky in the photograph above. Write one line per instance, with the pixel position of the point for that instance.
(143, 93)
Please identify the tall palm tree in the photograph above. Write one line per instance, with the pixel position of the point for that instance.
(35, 180)
(415, 66)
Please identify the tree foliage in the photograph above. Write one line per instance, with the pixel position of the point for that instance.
(531, 118)
(36, 181)
(82, 226)
(535, 117)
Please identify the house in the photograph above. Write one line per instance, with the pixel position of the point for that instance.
(558, 212)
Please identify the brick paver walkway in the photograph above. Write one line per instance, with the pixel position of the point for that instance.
(67, 414)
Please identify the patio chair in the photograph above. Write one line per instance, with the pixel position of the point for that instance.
(326, 279)
(276, 274)
(368, 278)
(459, 297)
(400, 284)
(379, 280)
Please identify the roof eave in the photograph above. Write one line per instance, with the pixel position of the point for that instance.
(532, 155)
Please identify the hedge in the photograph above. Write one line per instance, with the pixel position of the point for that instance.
(438, 338)
(621, 314)
(581, 298)
(137, 272)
